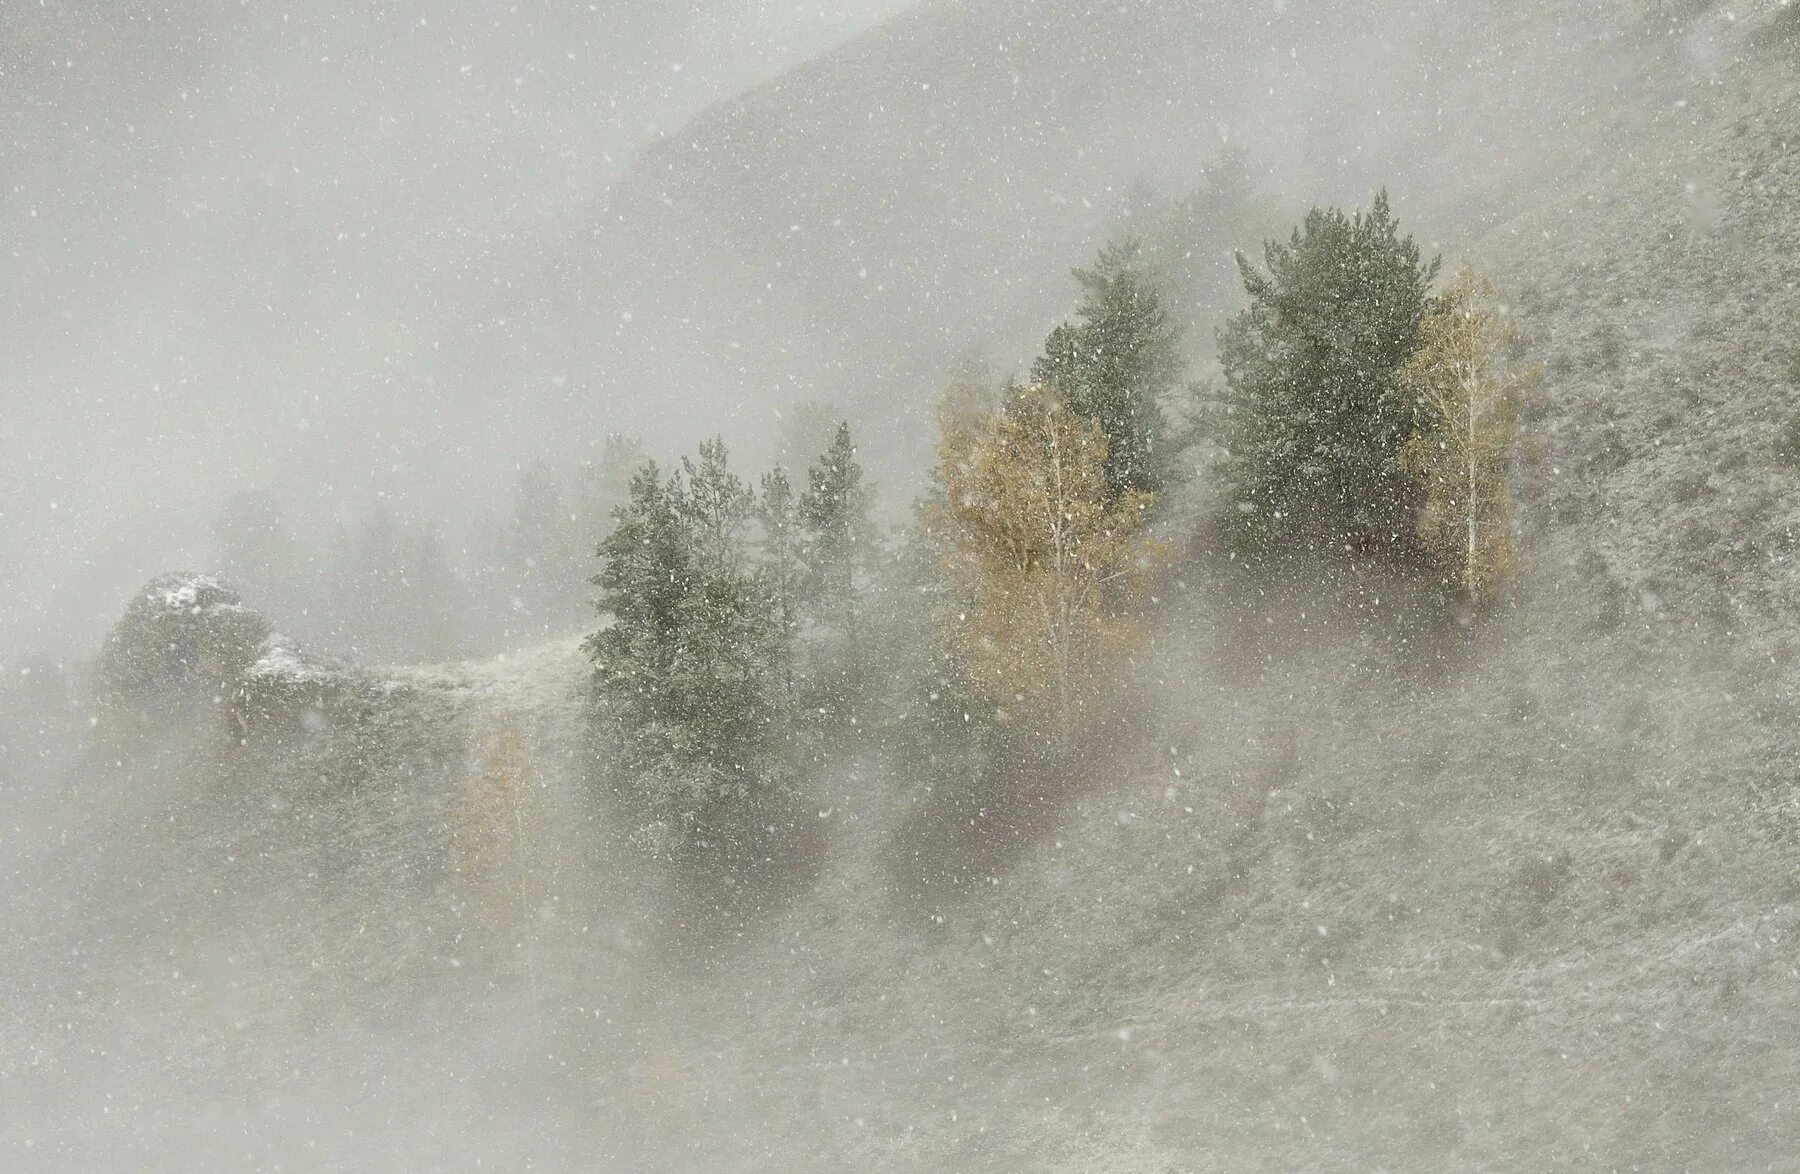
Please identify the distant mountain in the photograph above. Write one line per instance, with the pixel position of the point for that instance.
(845, 231)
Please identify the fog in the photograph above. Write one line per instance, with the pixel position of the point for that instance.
(397, 773)
(240, 238)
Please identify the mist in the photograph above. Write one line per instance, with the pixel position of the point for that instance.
(241, 238)
(961, 584)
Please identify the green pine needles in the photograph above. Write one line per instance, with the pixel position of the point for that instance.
(711, 591)
(1117, 363)
(1315, 417)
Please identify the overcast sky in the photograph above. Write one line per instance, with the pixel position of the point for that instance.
(236, 231)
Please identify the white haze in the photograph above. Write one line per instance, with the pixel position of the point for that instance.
(238, 237)
(1331, 888)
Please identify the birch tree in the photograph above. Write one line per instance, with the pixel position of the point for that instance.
(1045, 554)
(492, 825)
(1464, 400)
(834, 514)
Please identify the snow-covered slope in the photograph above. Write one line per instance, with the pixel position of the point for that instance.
(1339, 890)
(1332, 893)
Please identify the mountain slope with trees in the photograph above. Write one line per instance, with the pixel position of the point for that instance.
(1340, 870)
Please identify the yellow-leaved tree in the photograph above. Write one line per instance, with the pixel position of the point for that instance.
(1465, 398)
(1045, 553)
(493, 825)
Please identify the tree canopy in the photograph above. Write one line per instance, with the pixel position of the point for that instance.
(1316, 418)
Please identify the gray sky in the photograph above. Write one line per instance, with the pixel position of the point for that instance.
(237, 236)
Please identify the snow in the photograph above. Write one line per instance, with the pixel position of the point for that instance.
(280, 659)
(199, 594)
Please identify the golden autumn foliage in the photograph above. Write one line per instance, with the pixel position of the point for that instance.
(1043, 552)
(1464, 426)
(489, 820)
(492, 843)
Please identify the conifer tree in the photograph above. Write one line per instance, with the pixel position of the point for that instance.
(1316, 419)
(260, 554)
(542, 556)
(834, 514)
(603, 486)
(433, 599)
(1464, 409)
(783, 571)
(716, 506)
(1191, 245)
(933, 696)
(645, 581)
(1043, 549)
(1116, 363)
(693, 667)
(803, 430)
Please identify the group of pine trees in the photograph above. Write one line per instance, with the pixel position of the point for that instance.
(1360, 413)
(730, 636)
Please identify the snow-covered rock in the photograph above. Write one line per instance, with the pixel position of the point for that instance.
(184, 640)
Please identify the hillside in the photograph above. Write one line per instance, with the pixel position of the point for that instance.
(925, 189)
(1348, 882)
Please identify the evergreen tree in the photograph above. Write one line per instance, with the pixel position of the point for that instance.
(393, 594)
(803, 430)
(260, 554)
(431, 598)
(933, 703)
(1464, 412)
(692, 667)
(645, 581)
(1117, 363)
(783, 569)
(1194, 246)
(1317, 419)
(834, 515)
(602, 486)
(715, 505)
(542, 559)
(374, 603)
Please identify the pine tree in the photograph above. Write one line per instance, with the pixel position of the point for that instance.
(1316, 419)
(716, 506)
(372, 592)
(541, 558)
(1227, 210)
(1464, 411)
(1043, 550)
(783, 569)
(932, 703)
(601, 487)
(834, 514)
(693, 667)
(431, 598)
(1117, 363)
(259, 552)
(393, 591)
(734, 649)
(645, 582)
(803, 430)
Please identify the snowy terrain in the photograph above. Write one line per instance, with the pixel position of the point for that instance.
(1329, 888)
